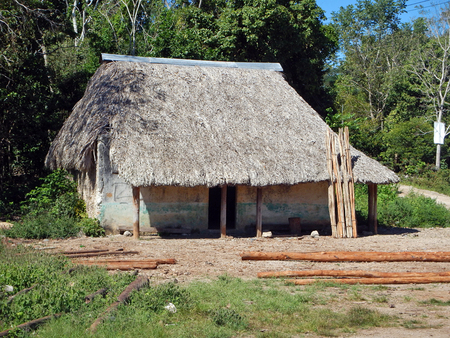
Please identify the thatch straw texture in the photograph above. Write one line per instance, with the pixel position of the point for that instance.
(189, 126)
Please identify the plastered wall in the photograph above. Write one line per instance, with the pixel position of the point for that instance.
(309, 201)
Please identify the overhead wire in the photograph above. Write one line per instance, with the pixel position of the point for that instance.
(421, 8)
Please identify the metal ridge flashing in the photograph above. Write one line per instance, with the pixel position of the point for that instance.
(200, 63)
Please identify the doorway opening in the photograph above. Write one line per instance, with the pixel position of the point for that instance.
(214, 207)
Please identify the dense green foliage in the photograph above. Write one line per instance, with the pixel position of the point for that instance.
(391, 78)
(438, 181)
(223, 307)
(412, 211)
(54, 210)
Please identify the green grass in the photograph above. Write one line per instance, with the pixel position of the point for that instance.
(223, 307)
(438, 181)
(434, 301)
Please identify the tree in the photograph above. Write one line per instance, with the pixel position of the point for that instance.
(291, 33)
(27, 90)
(122, 26)
(374, 45)
(431, 66)
(372, 81)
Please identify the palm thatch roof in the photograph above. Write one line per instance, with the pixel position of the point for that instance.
(189, 126)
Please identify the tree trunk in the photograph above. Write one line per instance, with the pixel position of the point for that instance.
(350, 273)
(400, 280)
(438, 156)
(349, 256)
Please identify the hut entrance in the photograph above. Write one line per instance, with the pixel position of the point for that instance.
(214, 208)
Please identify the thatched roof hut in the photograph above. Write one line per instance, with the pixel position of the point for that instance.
(191, 126)
(160, 134)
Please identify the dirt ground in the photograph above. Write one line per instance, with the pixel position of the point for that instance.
(206, 258)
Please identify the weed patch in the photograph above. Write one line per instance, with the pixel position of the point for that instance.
(434, 301)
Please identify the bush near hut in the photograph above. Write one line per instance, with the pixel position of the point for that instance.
(54, 210)
(412, 211)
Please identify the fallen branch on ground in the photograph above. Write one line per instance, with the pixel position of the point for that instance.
(127, 264)
(350, 256)
(83, 251)
(90, 297)
(103, 253)
(29, 324)
(10, 298)
(350, 273)
(139, 283)
(400, 280)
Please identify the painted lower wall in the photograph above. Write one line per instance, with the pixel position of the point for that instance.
(188, 207)
(309, 201)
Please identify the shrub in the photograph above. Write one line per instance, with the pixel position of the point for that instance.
(91, 227)
(57, 195)
(411, 211)
(44, 225)
(54, 210)
(438, 181)
(414, 211)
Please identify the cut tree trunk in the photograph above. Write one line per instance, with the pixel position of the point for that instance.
(128, 264)
(103, 253)
(350, 256)
(83, 251)
(350, 273)
(91, 296)
(392, 280)
(10, 299)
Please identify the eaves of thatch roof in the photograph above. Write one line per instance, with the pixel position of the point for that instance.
(189, 126)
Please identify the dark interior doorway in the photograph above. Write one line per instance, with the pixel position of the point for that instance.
(214, 207)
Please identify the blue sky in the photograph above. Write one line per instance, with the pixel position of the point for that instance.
(330, 6)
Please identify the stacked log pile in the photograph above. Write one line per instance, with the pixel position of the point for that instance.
(115, 264)
(355, 276)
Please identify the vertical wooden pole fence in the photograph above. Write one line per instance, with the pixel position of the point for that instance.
(331, 187)
(341, 194)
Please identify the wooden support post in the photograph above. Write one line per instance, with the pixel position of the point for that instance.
(259, 212)
(223, 212)
(136, 211)
(373, 224)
